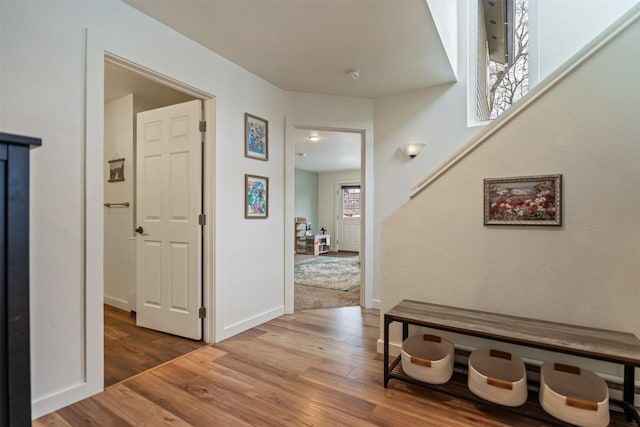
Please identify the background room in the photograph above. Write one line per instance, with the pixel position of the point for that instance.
(328, 219)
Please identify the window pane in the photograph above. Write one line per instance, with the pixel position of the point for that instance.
(351, 201)
(505, 56)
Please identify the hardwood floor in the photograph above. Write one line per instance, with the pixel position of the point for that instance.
(129, 349)
(317, 367)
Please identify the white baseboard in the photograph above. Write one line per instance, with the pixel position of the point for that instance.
(117, 303)
(394, 348)
(243, 325)
(62, 398)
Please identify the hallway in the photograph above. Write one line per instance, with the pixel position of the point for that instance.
(129, 349)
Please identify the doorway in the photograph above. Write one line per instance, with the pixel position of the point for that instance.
(126, 94)
(325, 275)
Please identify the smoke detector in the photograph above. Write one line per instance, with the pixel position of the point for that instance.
(353, 73)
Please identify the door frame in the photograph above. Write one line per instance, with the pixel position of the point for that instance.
(99, 50)
(366, 226)
(338, 210)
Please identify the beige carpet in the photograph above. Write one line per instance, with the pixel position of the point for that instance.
(310, 298)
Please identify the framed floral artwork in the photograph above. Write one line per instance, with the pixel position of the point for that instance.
(256, 137)
(256, 195)
(527, 200)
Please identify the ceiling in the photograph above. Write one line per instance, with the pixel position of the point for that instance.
(334, 151)
(308, 45)
(119, 82)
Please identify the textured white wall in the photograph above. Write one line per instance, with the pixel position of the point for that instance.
(306, 196)
(438, 116)
(43, 79)
(445, 16)
(559, 29)
(332, 113)
(436, 249)
(119, 276)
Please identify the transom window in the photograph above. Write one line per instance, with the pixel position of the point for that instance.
(503, 55)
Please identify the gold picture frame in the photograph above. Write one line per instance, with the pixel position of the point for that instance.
(526, 200)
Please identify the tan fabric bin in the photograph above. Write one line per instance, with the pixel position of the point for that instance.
(428, 358)
(574, 395)
(498, 377)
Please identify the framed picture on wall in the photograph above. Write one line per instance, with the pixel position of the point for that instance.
(256, 137)
(527, 200)
(116, 170)
(256, 197)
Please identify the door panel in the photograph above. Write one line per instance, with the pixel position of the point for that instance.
(169, 203)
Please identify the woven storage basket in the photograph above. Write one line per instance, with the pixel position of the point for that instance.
(498, 377)
(574, 395)
(428, 358)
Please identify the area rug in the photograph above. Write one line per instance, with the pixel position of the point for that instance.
(340, 274)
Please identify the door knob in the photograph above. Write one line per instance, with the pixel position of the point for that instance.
(140, 230)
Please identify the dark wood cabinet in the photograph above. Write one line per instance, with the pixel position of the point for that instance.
(15, 378)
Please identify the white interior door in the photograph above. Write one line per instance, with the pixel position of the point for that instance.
(348, 216)
(169, 202)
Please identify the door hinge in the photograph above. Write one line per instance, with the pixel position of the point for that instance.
(202, 219)
(202, 313)
(203, 126)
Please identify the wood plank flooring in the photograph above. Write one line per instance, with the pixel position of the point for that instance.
(313, 368)
(129, 349)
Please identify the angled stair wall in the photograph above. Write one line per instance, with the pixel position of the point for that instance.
(582, 122)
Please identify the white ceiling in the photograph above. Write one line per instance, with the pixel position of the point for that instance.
(119, 82)
(334, 151)
(307, 45)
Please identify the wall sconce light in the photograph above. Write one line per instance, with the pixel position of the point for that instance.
(412, 149)
(314, 138)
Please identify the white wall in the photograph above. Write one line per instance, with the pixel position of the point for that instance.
(438, 116)
(45, 58)
(119, 276)
(306, 196)
(119, 222)
(435, 117)
(445, 17)
(559, 29)
(304, 110)
(327, 208)
(436, 249)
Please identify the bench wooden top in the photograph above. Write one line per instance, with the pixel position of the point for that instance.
(619, 347)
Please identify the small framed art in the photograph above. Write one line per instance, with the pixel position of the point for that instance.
(527, 200)
(116, 170)
(256, 137)
(256, 197)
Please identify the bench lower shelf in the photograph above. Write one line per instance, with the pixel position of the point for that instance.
(457, 387)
